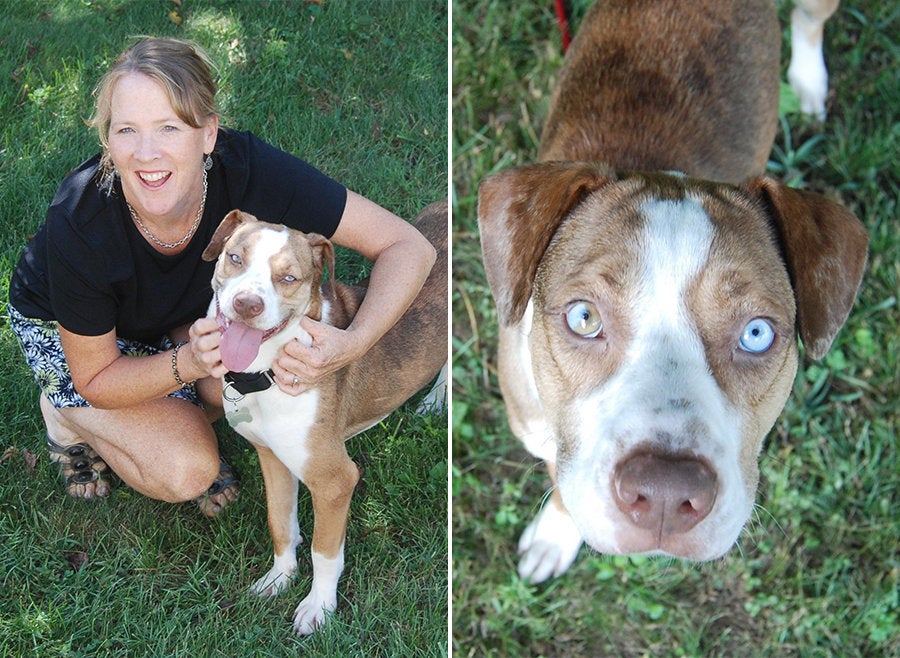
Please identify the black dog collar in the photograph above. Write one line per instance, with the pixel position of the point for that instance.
(243, 383)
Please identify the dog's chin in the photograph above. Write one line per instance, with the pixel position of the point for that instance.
(692, 546)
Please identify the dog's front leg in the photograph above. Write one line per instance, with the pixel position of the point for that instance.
(807, 73)
(281, 500)
(331, 480)
(550, 543)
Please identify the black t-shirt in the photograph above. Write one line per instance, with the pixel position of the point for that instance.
(89, 268)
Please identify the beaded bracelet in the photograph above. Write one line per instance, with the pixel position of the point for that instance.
(178, 379)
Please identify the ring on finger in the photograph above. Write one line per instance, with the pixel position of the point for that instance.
(296, 381)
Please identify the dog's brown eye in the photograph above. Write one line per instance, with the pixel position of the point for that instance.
(584, 320)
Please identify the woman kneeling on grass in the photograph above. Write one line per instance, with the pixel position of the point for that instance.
(106, 298)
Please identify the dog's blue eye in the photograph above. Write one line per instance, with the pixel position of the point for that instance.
(289, 278)
(235, 258)
(758, 336)
(584, 320)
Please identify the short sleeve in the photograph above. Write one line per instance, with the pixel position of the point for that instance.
(82, 303)
(279, 187)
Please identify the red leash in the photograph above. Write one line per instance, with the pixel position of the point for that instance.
(563, 21)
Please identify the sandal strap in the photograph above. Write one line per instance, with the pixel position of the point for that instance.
(81, 459)
(228, 477)
(73, 450)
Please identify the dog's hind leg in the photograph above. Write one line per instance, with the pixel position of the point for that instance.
(331, 479)
(281, 502)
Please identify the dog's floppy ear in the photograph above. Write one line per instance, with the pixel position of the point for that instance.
(226, 227)
(825, 247)
(323, 254)
(519, 211)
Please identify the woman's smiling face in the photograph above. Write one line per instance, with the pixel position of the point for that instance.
(158, 156)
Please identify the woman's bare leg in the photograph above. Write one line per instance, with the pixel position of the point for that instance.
(165, 448)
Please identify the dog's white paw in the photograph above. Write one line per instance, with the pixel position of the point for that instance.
(322, 597)
(809, 80)
(807, 74)
(311, 612)
(274, 582)
(549, 545)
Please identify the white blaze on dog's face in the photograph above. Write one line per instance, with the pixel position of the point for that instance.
(662, 327)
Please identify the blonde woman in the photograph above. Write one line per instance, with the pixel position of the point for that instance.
(109, 298)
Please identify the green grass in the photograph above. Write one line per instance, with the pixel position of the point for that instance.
(359, 90)
(816, 572)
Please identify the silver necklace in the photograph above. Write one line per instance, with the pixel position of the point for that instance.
(173, 245)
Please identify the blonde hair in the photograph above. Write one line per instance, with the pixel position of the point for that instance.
(181, 68)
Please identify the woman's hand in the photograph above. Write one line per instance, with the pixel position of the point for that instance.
(299, 367)
(402, 259)
(206, 358)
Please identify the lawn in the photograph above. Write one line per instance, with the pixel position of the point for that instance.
(816, 572)
(359, 90)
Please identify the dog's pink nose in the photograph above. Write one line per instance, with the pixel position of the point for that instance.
(666, 494)
(248, 306)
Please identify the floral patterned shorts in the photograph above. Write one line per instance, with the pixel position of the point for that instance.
(44, 355)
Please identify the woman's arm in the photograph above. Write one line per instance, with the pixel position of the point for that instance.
(109, 380)
(402, 259)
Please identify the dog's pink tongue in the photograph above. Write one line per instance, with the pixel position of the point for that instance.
(240, 345)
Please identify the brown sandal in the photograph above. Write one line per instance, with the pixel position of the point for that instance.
(85, 473)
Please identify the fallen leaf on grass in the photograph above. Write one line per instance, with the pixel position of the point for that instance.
(30, 459)
(76, 559)
(9, 453)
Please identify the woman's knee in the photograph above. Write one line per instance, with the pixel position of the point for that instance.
(188, 475)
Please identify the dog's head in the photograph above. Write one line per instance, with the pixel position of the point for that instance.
(652, 322)
(266, 274)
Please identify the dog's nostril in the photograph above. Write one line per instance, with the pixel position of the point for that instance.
(667, 494)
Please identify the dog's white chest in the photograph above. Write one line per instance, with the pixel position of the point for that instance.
(271, 417)
(276, 420)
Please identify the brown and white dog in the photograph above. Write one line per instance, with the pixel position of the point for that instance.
(267, 277)
(648, 320)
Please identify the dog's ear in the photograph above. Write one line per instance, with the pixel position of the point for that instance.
(323, 255)
(825, 247)
(226, 227)
(519, 211)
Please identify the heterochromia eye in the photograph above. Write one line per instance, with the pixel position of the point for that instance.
(757, 337)
(584, 319)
